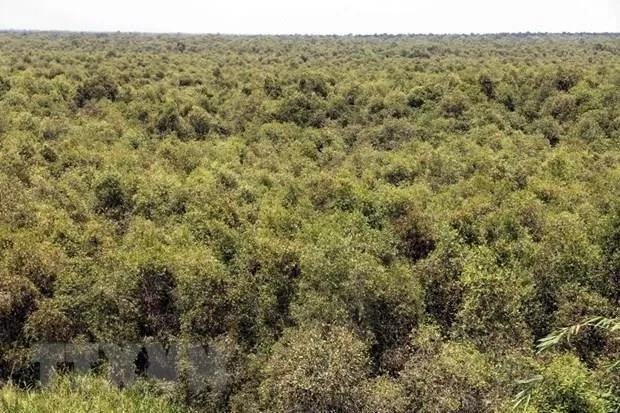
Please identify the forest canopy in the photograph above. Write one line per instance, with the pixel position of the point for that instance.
(355, 224)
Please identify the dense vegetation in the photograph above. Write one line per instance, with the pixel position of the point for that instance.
(357, 224)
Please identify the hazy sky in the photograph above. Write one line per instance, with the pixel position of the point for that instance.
(315, 16)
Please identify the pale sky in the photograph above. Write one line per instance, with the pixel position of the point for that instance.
(313, 17)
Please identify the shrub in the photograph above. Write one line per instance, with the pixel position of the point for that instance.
(566, 385)
(168, 120)
(86, 394)
(5, 85)
(392, 134)
(415, 234)
(302, 110)
(564, 79)
(313, 83)
(96, 88)
(420, 95)
(315, 370)
(272, 87)
(157, 304)
(48, 324)
(447, 377)
(112, 199)
(52, 129)
(562, 107)
(204, 123)
(487, 86)
(454, 105)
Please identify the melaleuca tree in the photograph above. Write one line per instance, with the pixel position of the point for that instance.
(566, 385)
(5, 85)
(204, 296)
(272, 87)
(569, 255)
(490, 313)
(385, 394)
(447, 377)
(156, 302)
(415, 235)
(95, 88)
(343, 284)
(315, 369)
(487, 86)
(454, 105)
(19, 297)
(168, 120)
(441, 277)
(566, 78)
(301, 109)
(561, 106)
(200, 121)
(49, 324)
(112, 199)
(270, 267)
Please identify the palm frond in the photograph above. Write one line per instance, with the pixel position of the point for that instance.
(566, 333)
(523, 398)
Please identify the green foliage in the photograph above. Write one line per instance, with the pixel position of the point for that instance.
(112, 199)
(83, 395)
(95, 88)
(155, 297)
(492, 300)
(314, 370)
(564, 386)
(567, 334)
(447, 377)
(368, 224)
(272, 88)
(301, 109)
(487, 86)
(454, 105)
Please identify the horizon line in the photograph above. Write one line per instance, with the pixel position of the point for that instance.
(375, 34)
